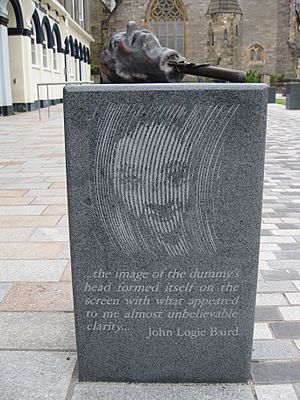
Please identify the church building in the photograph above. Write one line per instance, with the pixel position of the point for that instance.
(260, 35)
(41, 41)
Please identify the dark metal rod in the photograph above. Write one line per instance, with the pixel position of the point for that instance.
(210, 71)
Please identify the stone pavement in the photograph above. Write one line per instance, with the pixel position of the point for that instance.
(37, 341)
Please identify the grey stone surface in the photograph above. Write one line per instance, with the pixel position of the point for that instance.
(267, 313)
(278, 275)
(109, 391)
(290, 313)
(289, 330)
(31, 375)
(276, 372)
(293, 96)
(271, 94)
(31, 270)
(275, 286)
(4, 289)
(40, 331)
(275, 392)
(262, 331)
(164, 202)
(279, 349)
(297, 389)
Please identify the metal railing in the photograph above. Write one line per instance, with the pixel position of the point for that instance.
(55, 84)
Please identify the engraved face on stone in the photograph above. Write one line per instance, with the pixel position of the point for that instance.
(154, 185)
(157, 178)
(137, 56)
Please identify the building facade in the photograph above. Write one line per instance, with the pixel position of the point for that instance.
(41, 41)
(249, 35)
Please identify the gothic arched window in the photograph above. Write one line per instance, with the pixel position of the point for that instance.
(256, 54)
(166, 19)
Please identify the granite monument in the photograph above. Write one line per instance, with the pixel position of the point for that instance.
(271, 94)
(164, 195)
(293, 96)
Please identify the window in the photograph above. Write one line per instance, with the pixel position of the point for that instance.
(72, 65)
(55, 66)
(45, 48)
(166, 19)
(225, 34)
(81, 13)
(298, 7)
(256, 54)
(33, 44)
(236, 30)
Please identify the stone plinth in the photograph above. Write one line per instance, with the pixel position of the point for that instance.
(165, 190)
(271, 94)
(293, 96)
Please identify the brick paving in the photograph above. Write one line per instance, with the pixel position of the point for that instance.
(37, 341)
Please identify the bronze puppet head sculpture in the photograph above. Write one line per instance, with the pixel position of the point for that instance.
(136, 56)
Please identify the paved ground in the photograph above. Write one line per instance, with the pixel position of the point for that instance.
(37, 345)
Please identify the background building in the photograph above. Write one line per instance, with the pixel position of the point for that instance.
(250, 35)
(41, 41)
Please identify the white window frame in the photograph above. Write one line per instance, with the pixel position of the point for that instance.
(81, 13)
(72, 65)
(33, 42)
(55, 54)
(45, 49)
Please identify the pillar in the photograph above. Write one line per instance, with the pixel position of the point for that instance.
(6, 107)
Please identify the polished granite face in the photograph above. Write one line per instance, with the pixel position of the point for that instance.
(293, 96)
(164, 192)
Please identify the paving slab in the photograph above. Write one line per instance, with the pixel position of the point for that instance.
(261, 331)
(278, 349)
(110, 391)
(21, 210)
(57, 234)
(12, 193)
(293, 298)
(4, 289)
(280, 275)
(42, 296)
(297, 389)
(275, 392)
(15, 201)
(290, 313)
(55, 209)
(297, 284)
(270, 299)
(31, 270)
(67, 274)
(37, 331)
(30, 251)
(290, 330)
(50, 200)
(28, 221)
(276, 372)
(30, 375)
(276, 286)
(267, 313)
(15, 234)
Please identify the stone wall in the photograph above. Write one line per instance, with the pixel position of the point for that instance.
(99, 28)
(270, 24)
(286, 60)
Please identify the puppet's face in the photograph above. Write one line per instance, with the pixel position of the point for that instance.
(137, 56)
